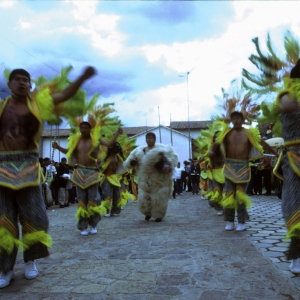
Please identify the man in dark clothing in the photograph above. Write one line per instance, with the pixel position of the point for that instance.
(63, 175)
(195, 176)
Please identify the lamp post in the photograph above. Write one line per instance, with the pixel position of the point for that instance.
(188, 106)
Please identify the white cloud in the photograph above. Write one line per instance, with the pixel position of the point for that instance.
(84, 10)
(7, 3)
(214, 61)
(24, 25)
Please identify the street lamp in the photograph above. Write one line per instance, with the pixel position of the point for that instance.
(188, 104)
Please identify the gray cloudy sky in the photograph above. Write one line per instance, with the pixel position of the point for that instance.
(140, 48)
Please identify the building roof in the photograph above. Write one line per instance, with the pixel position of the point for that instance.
(193, 124)
(132, 131)
(136, 130)
(160, 126)
(60, 133)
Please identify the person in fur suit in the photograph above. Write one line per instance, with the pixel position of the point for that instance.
(155, 164)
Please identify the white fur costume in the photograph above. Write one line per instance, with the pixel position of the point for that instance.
(155, 183)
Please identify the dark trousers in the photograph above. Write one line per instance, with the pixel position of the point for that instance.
(178, 186)
(242, 215)
(266, 174)
(257, 182)
(189, 185)
(195, 183)
(26, 206)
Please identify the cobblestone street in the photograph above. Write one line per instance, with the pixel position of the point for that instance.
(187, 256)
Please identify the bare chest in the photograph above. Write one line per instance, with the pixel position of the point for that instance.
(18, 126)
(235, 138)
(84, 146)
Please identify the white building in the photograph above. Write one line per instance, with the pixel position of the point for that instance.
(177, 135)
(165, 135)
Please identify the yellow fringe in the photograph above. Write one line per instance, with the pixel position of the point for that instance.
(106, 204)
(209, 194)
(8, 242)
(81, 213)
(30, 239)
(242, 198)
(293, 231)
(92, 210)
(125, 196)
(228, 201)
(217, 197)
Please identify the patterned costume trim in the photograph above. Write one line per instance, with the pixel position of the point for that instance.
(293, 224)
(85, 176)
(19, 170)
(294, 160)
(237, 171)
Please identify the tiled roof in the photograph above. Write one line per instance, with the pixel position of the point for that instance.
(61, 132)
(130, 131)
(136, 130)
(193, 124)
(127, 130)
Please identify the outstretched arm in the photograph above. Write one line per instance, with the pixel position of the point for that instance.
(113, 140)
(59, 148)
(71, 90)
(267, 147)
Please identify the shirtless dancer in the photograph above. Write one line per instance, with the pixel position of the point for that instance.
(84, 152)
(239, 145)
(113, 187)
(21, 126)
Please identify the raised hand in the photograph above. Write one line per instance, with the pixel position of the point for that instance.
(88, 72)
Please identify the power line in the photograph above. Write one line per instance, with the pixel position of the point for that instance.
(28, 53)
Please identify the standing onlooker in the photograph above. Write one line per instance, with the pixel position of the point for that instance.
(188, 172)
(184, 176)
(54, 187)
(177, 178)
(51, 172)
(195, 176)
(63, 175)
(257, 180)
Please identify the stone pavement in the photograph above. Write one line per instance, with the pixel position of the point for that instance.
(187, 256)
